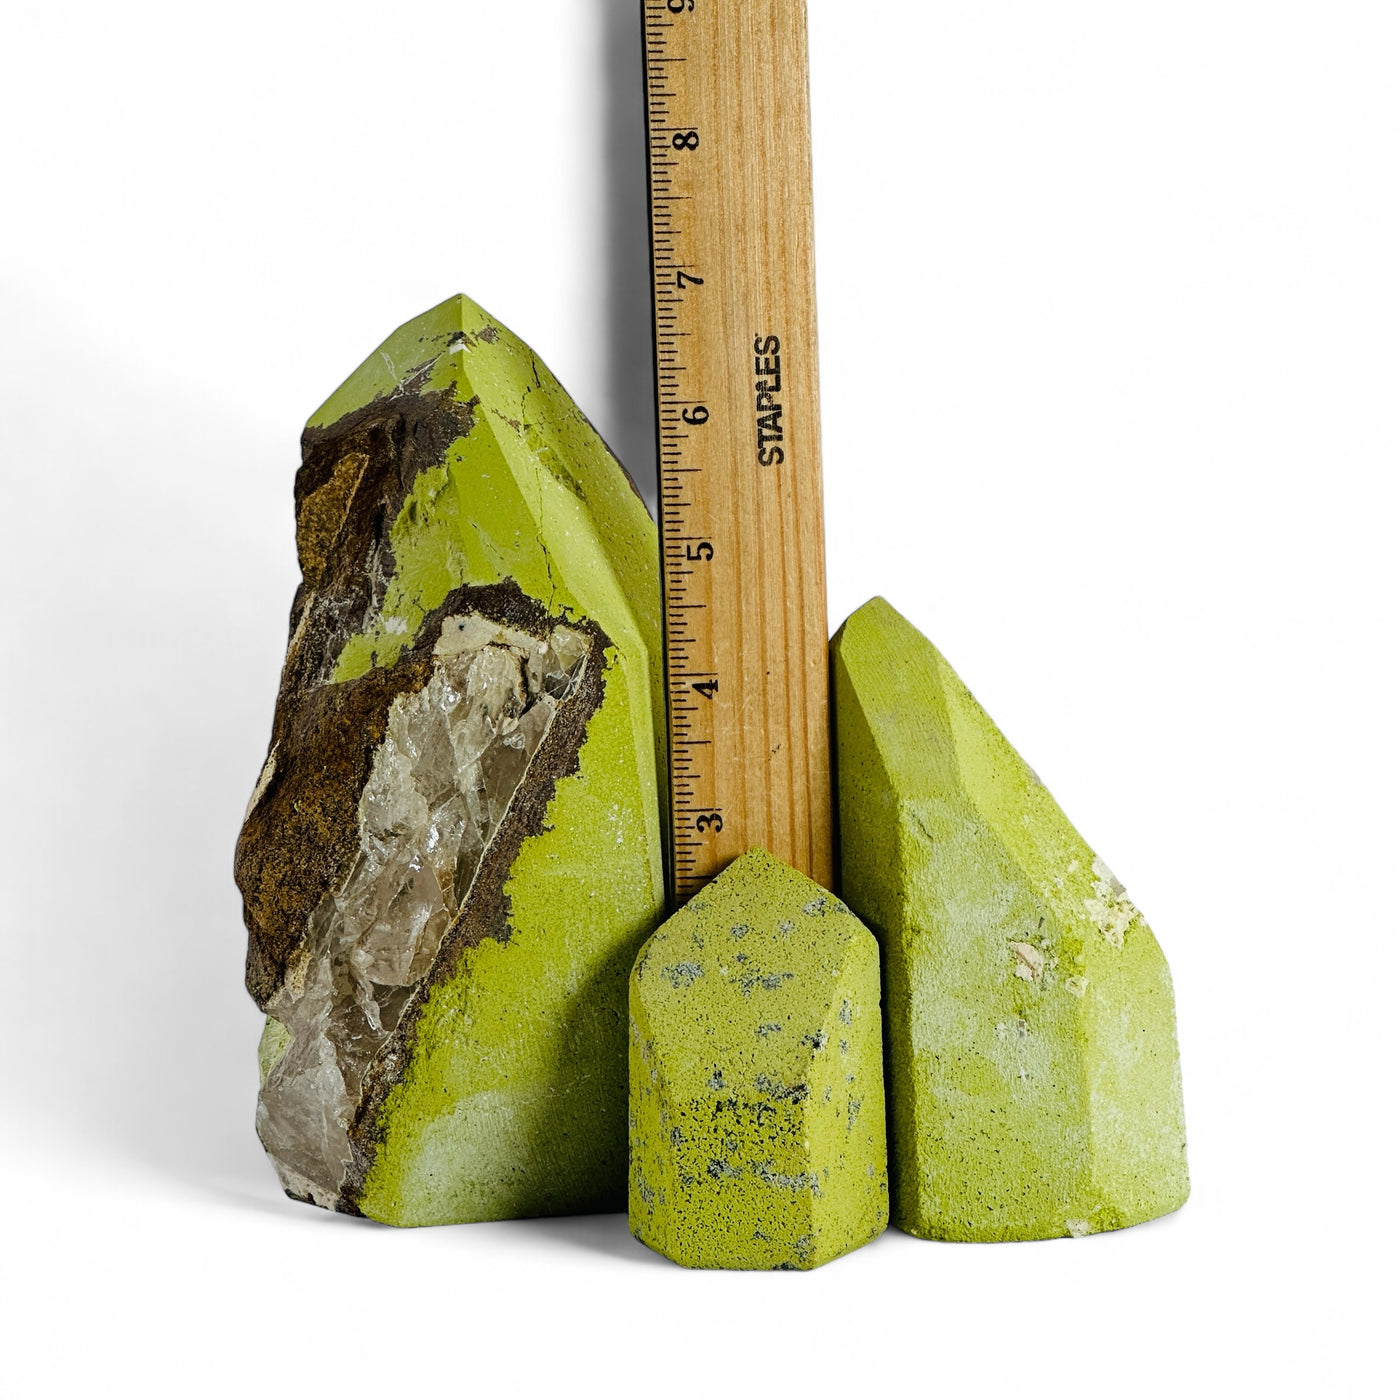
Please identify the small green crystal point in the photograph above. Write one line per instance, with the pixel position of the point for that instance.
(1034, 1083)
(757, 1099)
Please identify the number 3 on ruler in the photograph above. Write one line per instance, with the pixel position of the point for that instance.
(679, 7)
(707, 820)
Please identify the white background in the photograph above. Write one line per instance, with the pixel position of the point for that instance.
(1109, 306)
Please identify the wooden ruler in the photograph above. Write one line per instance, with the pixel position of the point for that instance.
(729, 162)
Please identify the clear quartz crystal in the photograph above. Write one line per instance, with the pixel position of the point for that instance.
(441, 782)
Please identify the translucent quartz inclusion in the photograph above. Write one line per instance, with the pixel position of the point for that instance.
(453, 851)
(757, 1107)
(441, 781)
(1033, 1079)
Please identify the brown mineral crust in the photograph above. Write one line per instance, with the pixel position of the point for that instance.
(350, 488)
(486, 911)
(304, 831)
(298, 839)
(353, 480)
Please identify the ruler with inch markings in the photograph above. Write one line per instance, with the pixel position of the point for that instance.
(729, 165)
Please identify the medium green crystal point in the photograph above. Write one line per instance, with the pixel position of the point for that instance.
(758, 1109)
(1033, 1076)
(453, 852)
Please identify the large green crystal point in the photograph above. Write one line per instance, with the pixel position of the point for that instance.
(453, 852)
(758, 1107)
(1033, 1077)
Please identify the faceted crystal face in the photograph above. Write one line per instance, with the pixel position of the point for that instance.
(1034, 1084)
(441, 782)
(757, 1110)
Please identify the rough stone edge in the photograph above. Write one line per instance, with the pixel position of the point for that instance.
(486, 911)
(301, 831)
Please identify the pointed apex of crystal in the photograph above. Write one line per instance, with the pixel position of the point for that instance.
(408, 357)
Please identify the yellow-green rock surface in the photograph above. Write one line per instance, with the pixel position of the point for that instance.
(1033, 1077)
(758, 1111)
(453, 852)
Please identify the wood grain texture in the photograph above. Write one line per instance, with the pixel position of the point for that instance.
(729, 152)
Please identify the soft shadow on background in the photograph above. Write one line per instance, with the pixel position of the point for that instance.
(627, 318)
(156, 1071)
(594, 1234)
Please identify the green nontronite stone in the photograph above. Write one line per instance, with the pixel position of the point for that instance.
(1034, 1085)
(758, 1107)
(453, 853)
